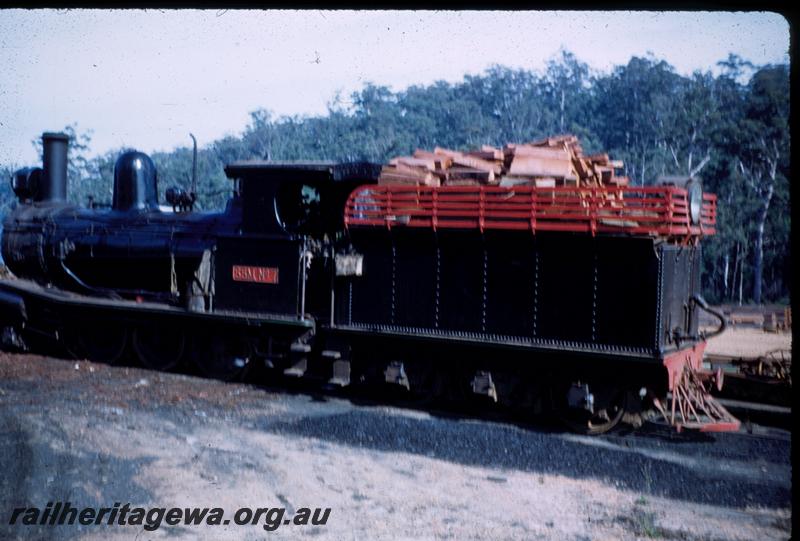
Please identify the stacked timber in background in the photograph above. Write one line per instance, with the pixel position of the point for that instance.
(553, 161)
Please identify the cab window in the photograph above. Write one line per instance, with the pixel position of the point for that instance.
(297, 207)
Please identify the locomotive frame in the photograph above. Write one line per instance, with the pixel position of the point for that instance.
(582, 299)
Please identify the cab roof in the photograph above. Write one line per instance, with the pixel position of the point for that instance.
(304, 171)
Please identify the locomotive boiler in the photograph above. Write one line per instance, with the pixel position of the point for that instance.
(584, 300)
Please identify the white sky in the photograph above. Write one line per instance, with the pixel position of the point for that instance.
(145, 79)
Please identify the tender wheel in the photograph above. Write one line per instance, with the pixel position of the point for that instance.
(96, 342)
(599, 422)
(220, 359)
(158, 349)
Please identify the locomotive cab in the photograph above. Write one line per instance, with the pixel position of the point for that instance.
(297, 208)
(285, 198)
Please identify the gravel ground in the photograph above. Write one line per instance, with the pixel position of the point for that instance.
(94, 435)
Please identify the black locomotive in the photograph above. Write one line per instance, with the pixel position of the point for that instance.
(582, 299)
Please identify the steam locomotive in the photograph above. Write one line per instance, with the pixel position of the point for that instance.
(584, 300)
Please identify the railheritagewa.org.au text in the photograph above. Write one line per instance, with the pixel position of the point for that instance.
(152, 518)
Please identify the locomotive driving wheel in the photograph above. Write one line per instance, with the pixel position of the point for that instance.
(103, 343)
(158, 348)
(220, 358)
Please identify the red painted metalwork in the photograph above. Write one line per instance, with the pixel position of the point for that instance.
(657, 211)
(691, 404)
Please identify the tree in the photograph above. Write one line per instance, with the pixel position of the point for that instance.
(7, 197)
(511, 104)
(764, 156)
(259, 135)
(690, 115)
(566, 87)
(631, 110)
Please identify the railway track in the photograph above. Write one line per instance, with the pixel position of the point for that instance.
(461, 405)
(756, 387)
(757, 413)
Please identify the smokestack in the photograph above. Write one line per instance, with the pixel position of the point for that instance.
(54, 179)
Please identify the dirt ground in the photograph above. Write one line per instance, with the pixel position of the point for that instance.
(95, 434)
(748, 342)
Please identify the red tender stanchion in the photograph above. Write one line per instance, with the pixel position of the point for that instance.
(481, 210)
(651, 211)
(435, 209)
(389, 217)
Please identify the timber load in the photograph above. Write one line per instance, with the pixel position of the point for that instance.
(543, 185)
(549, 162)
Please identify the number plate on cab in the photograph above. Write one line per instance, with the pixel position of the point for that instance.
(258, 275)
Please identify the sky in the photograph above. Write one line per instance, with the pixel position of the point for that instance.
(146, 78)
